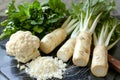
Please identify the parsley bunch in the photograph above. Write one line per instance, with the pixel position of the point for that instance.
(35, 17)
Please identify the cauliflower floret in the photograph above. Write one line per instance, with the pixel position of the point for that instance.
(23, 45)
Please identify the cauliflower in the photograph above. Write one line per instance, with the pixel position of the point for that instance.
(23, 45)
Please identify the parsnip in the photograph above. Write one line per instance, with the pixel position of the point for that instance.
(99, 66)
(82, 49)
(53, 39)
(103, 41)
(66, 51)
(83, 43)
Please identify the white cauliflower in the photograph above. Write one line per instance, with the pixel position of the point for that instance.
(23, 45)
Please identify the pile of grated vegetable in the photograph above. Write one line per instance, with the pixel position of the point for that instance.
(44, 68)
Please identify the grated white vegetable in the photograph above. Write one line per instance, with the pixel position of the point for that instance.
(43, 68)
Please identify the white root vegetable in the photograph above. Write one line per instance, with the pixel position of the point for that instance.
(82, 49)
(66, 51)
(99, 66)
(102, 42)
(53, 39)
(83, 43)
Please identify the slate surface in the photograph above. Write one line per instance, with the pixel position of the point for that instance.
(9, 71)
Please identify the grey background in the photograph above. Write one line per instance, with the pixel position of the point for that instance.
(4, 5)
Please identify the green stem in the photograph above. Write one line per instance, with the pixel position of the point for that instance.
(71, 23)
(95, 38)
(81, 21)
(106, 31)
(95, 23)
(66, 22)
(86, 22)
(71, 28)
(109, 36)
(110, 46)
(75, 32)
(101, 41)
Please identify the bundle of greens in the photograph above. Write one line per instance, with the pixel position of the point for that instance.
(35, 17)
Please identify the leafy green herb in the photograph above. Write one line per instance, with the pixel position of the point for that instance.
(34, 17)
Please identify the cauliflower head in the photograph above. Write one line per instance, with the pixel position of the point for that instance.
(23, 45)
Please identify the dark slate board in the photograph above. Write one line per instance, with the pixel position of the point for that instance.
(9, 71)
